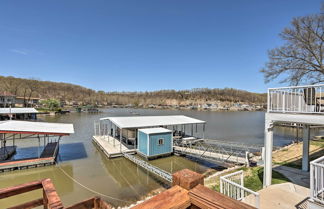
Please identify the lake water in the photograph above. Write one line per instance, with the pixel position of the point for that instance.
(119, 178)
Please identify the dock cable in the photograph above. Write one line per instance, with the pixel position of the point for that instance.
(89, 189)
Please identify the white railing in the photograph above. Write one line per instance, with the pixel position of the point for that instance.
(100, 129)
(232, 185)
(317, 180)
(297, 99)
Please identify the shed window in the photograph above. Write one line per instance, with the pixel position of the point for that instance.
(161, 141)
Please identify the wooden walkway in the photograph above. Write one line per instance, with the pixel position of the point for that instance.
(111, 146)
(6, 153)
(209, 155)
(47, 157)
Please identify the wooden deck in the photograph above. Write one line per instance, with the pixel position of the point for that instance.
(111, 146)
(7, 153)
(47, 157)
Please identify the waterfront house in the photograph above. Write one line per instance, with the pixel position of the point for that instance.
(7, 99)
(27, 102)
(155, 142)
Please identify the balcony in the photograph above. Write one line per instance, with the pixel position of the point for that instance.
(297, 99)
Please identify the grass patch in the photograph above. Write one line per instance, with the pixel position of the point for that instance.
(253, 178)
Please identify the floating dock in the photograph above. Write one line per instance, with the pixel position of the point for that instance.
(47, 157)
(111, 146)
(7, 152)
(18, 130)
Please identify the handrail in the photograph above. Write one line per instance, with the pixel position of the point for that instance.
(237, 190)
(317, 180)
(296, 99)
(293, 87)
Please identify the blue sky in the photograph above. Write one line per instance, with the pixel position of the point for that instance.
(139, 45)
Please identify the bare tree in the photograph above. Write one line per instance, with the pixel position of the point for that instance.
(300, 59)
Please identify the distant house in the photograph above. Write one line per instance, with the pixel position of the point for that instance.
(7, 99)
(27, 102)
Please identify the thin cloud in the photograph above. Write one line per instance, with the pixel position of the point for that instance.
(19, 51)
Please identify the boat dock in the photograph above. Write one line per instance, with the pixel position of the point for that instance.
(7, 152)
(111, 147)
(47, 157)
(18, 130)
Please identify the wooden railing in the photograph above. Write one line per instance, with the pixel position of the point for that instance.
(50, 199)
(187, 191)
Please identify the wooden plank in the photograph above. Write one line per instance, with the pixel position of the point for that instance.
(175, 197)
(206, 198)
(27, 205)
(19, 189)
(53, 200)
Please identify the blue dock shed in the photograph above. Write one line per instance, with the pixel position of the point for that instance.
(155, 142)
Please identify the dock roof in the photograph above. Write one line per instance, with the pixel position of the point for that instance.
(27, 127)
(152, 121)
(155, 130)
(17, 110)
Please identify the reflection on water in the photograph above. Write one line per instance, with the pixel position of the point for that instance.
(120, 178)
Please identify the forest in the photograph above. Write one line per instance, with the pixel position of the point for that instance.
(71, 94)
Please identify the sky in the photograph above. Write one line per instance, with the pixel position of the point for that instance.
(145, 45)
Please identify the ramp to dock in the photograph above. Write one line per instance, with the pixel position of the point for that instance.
(206, 151)
(149, 167)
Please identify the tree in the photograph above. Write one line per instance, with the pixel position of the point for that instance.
(51, 104)
(300, 59)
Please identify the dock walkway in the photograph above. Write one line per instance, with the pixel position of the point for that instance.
(149, 167)
(209, 154)
(111, 146)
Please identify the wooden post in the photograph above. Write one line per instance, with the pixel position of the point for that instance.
(187, 179)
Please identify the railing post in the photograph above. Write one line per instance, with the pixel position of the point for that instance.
(221, 185)
(257, 201)
(311, 180)
(45, 200)
(242, 184)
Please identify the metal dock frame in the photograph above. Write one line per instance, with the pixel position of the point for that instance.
(151, 168)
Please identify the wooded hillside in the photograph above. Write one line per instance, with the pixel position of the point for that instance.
(75, 94)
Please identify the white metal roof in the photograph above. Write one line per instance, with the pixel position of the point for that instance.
(36, 127)
(151, 121)
(17, 110)
(155, 130)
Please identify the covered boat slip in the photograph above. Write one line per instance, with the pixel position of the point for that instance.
(18, 113)
(48, 134)
(113, 130)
